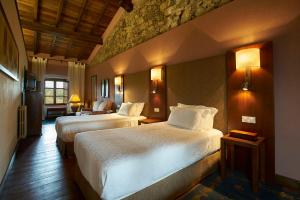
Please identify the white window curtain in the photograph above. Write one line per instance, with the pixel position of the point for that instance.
(39, 68)
(76, 75)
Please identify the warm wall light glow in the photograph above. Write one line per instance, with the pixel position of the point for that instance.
(247, 58)
(74, 99)
(118, 80)
(156, 74)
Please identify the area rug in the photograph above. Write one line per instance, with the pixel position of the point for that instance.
(237, 186)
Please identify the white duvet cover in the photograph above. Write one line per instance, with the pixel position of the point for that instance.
(68, 126)
(123, 161)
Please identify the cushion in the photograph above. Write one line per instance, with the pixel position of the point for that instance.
(108, 106)
(212, 109)
(208, 117)
(96, 105)
(184, 118)
(125, 108)
(102, 106)
(136, 109)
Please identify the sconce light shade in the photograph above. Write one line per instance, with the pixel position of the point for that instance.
(247, 58)
(74, 99)
(156, 74)
(118, 80)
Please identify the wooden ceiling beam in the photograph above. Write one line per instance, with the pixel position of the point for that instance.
(100, 16)
(42, 28)
(53, 45)
(36, 42)
(36, 10)
(126, 4)
(80, 14)
(68, 50)
(59, 12)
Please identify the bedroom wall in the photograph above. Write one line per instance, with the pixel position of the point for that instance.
(136, 87)
(287, 106)
(10, 91)
(56, 69)
(103, 72)
(199, 82)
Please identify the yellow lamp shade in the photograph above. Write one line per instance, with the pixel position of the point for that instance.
(74, 99)
(156, 74)
(118, 80)
(247, 58)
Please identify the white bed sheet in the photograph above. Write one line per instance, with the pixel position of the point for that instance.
(68, 126)
(124, 161)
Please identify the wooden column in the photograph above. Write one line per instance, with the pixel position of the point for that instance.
(258, 102)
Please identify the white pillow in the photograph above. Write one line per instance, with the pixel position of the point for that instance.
(102, 106)
(212, 109)
(184, 118)
(96, 105)
(138, 109)
(125, 109)
(208, 117)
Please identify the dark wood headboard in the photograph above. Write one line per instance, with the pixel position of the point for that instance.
(136, 89)
(200, 82)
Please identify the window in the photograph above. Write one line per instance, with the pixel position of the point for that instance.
(56, 91)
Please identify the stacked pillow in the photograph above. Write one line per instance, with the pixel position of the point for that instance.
(96, 105)
(102, 106)
(194, 117)
(131, 109)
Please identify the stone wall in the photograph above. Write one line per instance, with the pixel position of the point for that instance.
(149, 19)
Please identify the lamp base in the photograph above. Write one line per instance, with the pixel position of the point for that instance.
(74, 108)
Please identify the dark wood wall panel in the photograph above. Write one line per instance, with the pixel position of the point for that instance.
(200, 82)
(136, 87)
(159, 99)
(258, 102)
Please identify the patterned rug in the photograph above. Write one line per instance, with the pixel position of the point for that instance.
(236, 186)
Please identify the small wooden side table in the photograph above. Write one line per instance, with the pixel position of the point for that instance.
(257, 159)
(149, 121)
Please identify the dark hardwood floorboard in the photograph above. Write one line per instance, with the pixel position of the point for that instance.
(39, 172)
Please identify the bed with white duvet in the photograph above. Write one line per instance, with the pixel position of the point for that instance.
(119, 162)
(68, 126)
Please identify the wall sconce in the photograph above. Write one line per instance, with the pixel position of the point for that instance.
(119, 83)
(155, 77)
(247, 59)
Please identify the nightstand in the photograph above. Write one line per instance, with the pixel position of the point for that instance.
(257, 156)
(71, 114)
(149, 121)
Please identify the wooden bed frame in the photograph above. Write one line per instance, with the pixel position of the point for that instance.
(65, 148)
(171, 187)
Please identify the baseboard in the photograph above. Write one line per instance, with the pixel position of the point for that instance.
(287, 182)
(12, 159)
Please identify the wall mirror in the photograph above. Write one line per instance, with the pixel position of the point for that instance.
(105, 88)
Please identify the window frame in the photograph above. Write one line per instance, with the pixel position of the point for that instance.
(54, 91)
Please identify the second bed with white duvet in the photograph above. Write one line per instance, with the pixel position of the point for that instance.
(120, 162)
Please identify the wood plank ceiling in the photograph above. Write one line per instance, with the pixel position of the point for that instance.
(69, 28)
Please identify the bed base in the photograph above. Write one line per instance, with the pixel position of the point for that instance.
(65, 148)
(171, 187)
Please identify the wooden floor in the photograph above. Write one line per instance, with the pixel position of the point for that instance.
(39, 171)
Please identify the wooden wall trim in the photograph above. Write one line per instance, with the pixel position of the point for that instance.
(12, 159)
(158, 99)
(258, 102)
(287, 182)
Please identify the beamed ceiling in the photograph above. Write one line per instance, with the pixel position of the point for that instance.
(69, 28)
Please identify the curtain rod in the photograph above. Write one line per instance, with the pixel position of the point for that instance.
(58, 59)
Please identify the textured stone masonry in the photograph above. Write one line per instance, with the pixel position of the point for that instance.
(150, 18)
